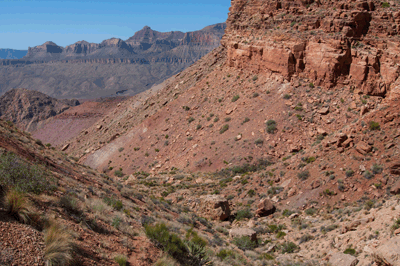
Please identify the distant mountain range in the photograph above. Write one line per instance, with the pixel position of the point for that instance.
(12, 54)
(114, 66)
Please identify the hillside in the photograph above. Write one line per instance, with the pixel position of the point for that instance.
(110, 68)
(279, 147)
(27, 108)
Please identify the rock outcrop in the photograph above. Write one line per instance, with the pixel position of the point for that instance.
(27, 108)
(340, 43)
(265, 208)
(214, 207)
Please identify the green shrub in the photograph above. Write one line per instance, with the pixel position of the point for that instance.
(118, 173)
(235, 98)
(259, 142)
(244, 243)
(385, 5)
(287, 96)
(190, 119)
(116, 204)
(224, 253)
(350, 251)
(242, 214)
(280, 234)
(19, 175)
(311, 85)
(271, 126)
(395, 226)
(305, 238)
(121, 260)
(376, 169)
(303, 175)
(311, 211)
(169, 242)
(374, 125)
(288, 247)
(70, 204)
(368, 175)
(223, 129)
(251, 193)
(121, 149)
(246, 119)
(349, 173)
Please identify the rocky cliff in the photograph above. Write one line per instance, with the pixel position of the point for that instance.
(114, 66)
(27, 108)
(334, 43)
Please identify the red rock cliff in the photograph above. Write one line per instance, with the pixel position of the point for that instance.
(334, 43)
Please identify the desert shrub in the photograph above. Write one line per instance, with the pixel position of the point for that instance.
(303, 175)
(251, 193)
(190, 119)
(118, 173)
(271, 126)
(305, 238)
(224, 128)
(374, 125)
(244, 213)
(395, 226)
(121, 260)
(311, 211)
(288, 247)
(349, 173)
(287, 212)
(17, 205)
(188, 252)
(310, 159)
(368, 175)
(19, 175)
(350, 251)
(70, 204)
(121, 149)
(169, 242)
(116, 222)
(255, 94)
(224, 253)
(246, 119)
(59, 245)
(376, 169)
(259, 142)
(287, 96)
(280, 234)
(235, 98)
(385, 4)
(116, 204)
(244, 243)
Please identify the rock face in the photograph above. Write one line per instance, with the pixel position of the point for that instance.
(82, 70)
(240, 232)
(214, 207)
(330, 47)
(395, 168)
(389, 252)
(27, 108)
(265, 208)
(343, 260)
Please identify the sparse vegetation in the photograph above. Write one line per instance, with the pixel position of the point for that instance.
(271, 126)
(59, 245)
(223, 129)
(374, 125)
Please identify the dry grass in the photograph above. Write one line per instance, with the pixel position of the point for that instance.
(166, 261)
(18, 206)
(59, 245)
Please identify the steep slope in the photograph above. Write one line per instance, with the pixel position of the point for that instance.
(216, 113)
(27, 108)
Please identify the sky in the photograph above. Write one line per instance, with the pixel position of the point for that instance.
(28, 23)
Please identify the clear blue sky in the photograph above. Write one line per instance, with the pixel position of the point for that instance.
(33, 22)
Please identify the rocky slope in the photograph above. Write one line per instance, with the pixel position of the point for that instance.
(113, 67)
(27, 108)
(290, 154)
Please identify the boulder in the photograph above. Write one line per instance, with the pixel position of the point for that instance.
(363, 147)
(343, 260)
(214, 207)
(324, 111)
(395, 190)
(240, 232)
(65, 147)
(389, 252)
(395, 168)
(265, 208)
